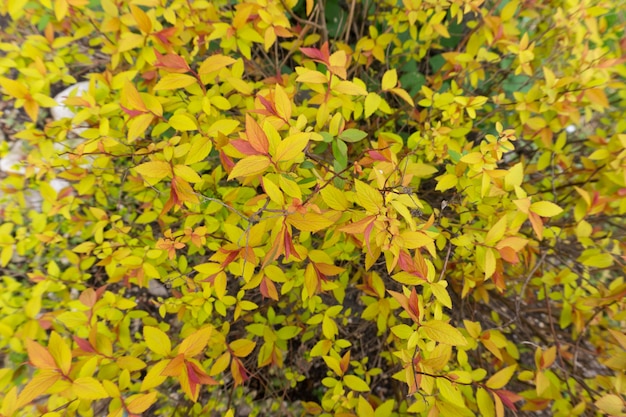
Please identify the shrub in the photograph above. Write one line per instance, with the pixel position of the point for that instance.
(366, 208)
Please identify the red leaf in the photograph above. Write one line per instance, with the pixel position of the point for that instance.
(508, 398)
(244, 147)
(84, 345)
(171, 62)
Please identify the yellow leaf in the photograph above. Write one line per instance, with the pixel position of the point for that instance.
(334, 198)
(501, 378)
(61, 352)
(272, 191)
(140, 403)
(355, 383)
(514, 176)
(292, 146)
(186, 173)
(545, 209)
(174, 82)
(485, 403)
(441, 294)
(88, 388)
(9, 403)
(413, 240)
(60, 9)
(157, 340)
(442, 332)
(310, 76)
(138, 126)
(37, 386)
(490, 262)
(390, 79)
(446, 181)
(611, 404)
(251, 165)
(601, 260)
(215, 63)
(282, 102)
(143, 21)
(154, 378)
(368, 198)
(309, 222)
(496, 232)
(403, 95)
(372, 101)
(349, 88)
(183, 122)
(200, 148)
(154, 169)
(597, 96)
(13, 88)
(242, 347)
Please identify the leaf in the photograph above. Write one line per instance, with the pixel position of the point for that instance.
(349, 88)
(288, 332)
(355, 383)
(155, 169)
(443, 332)
(441, 294)
(367, 197)
(601, 260)
(611, 404)
(251, 165)
(334, 198)
(157, 340)
(242, 347)
(545, 209)
(256, 136)
(352, 135)
(446, 181)
(143, 21)
(195, 342)
(485, 403)
(183, 122)
(174, 81)
(154, 377)
(490, 262)
(37, 386)
(390, 79)
(309, 222)
(292, 147)
(39, 355)
(186, 173)
(372, 102)
(88, 388)
(501, 378)
(215, 63)
(141, 402)
(402, 331)
(61, 352)
(283, 103)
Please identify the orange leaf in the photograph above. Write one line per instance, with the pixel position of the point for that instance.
(256, 136)
(141, 403)
(39, 356)
(195, 342)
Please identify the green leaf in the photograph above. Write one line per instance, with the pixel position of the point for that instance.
(352, 135)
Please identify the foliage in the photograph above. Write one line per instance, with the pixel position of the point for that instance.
(367, 208)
